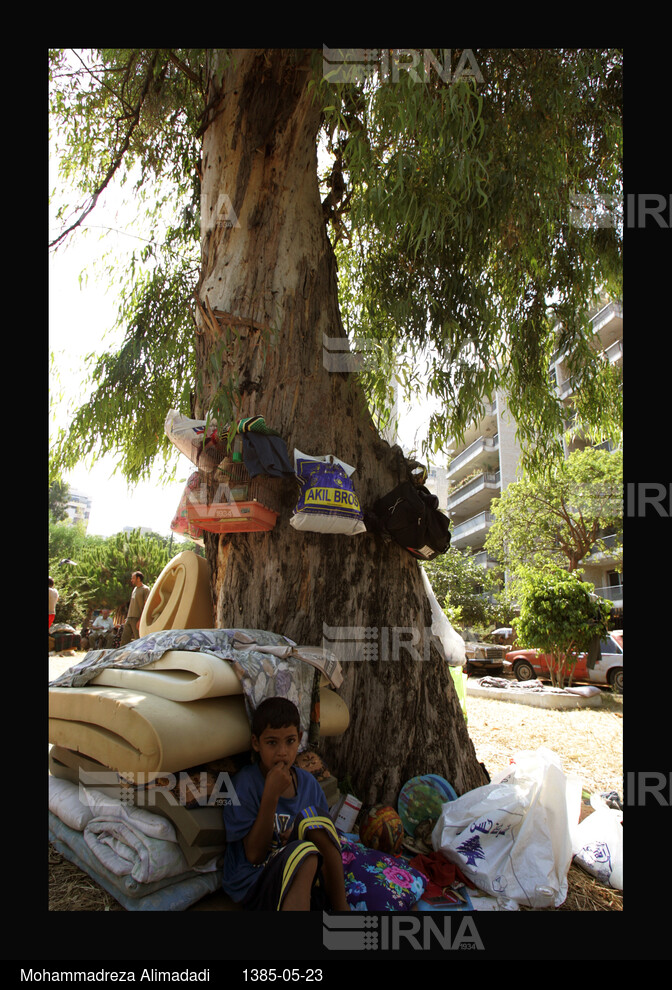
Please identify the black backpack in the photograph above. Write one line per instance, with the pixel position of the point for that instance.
(410, 515)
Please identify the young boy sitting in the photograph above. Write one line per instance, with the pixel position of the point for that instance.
(282, 847)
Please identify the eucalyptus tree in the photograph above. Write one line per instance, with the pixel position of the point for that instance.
(444, 195)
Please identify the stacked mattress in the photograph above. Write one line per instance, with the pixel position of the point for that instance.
(140, 762)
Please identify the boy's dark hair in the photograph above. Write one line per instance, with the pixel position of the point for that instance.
(275, 713)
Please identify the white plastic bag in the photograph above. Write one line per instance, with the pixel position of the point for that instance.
(598, 844)
(513, 837)
(452, 642)
(191, 436)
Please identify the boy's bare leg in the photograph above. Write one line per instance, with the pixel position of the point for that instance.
(332, 869)
(297, 897)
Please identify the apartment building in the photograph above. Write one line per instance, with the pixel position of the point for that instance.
(487, 460)
(600, 567)
(78, 507)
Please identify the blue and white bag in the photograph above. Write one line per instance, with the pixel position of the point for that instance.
(328, 502)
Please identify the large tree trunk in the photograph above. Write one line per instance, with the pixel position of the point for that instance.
(268, 260)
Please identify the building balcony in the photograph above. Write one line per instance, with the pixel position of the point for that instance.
(568, 388)
(613, 593)
(608, 324)
(484, 426)
(472, 532)
(483, 559)
(614, 353)
(483, 452)
(474, 496)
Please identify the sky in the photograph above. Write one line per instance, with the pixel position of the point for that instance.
(79, 316)
(81, 312)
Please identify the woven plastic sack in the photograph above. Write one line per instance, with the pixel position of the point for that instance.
(513, 837)
(327, 502)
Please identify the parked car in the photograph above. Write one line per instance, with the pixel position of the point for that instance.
(608, 670)
(484, 658)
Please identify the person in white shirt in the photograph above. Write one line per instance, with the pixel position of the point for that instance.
(101, 631)
(53, 598)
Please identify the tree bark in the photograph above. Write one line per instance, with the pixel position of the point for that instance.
(267, 260)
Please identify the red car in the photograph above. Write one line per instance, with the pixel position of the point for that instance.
(528, 664)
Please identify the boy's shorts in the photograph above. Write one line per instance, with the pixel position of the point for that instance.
(268, 891)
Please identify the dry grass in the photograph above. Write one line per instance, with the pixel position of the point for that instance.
(588, 742)
(70, 889)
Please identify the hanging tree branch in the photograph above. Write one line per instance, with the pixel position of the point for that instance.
(134, 121)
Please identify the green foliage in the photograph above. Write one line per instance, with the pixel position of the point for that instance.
(459, 247)
(559, 616)
(151, 372)
(103, 566)
(66, 542)
(461, 236)
(462, 588)
(103, 573)
(556, 519)
(58, 500)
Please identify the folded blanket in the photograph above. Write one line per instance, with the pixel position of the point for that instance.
(104, 806)
(169, 894)
(76, 806)
(123, 849)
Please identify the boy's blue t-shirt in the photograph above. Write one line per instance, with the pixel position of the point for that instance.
(238, 874)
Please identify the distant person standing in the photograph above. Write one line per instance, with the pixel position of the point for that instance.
(138, 599)
(53, 598)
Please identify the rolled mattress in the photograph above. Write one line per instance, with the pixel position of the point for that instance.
(179, 675)
(136, 732)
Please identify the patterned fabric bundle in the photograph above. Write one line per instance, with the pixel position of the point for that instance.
(382, 829)
(377, 881)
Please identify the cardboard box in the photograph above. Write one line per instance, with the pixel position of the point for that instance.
(344, 813)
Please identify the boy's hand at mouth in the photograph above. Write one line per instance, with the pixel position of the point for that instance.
(278, 779)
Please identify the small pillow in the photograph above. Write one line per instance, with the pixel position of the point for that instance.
(376, 881)
(64, 802)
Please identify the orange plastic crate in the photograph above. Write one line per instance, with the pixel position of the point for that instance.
(232, 517)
